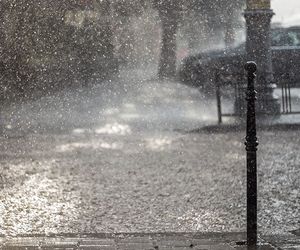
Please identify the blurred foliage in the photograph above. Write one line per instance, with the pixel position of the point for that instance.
(53, 43)
(76, 37)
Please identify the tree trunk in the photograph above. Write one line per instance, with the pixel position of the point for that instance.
(167, 63)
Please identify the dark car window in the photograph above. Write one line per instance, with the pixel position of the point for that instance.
(284, 37)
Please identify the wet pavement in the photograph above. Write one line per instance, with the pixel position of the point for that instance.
(132, 155)
(162, 241)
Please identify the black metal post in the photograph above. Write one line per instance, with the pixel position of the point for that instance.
(251, 148)
(218, 97)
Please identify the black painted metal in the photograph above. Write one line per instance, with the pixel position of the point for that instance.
(228, 79)
(237, 84)
(218, 97)
(286, 99)
(251, 148)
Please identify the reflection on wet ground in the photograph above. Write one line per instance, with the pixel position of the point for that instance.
(113, 158)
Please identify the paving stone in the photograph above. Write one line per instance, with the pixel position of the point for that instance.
(177, 243)
(179, 248)
(135, 246)
(149, 242)
(87, 247)
(101, 242)
(203, 247)
(291, 247)
(19, 248)
(56, 248)
(135, 240)
(286, 242)
(60, 243)
(138, 239)
(28, 241)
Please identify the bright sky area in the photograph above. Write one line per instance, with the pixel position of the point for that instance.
(287, 12)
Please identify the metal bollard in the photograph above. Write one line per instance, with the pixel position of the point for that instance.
(251, 148)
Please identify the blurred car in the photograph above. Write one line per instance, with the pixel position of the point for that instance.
(200, 70)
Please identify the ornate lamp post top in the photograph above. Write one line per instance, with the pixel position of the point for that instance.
(258, 4)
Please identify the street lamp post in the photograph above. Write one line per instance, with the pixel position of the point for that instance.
(258, 15)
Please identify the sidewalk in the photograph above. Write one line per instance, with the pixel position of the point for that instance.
(133, 241)
(155, 241)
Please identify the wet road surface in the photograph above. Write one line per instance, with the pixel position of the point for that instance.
(119, 156)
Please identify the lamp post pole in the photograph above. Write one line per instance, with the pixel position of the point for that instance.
(258, 15)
